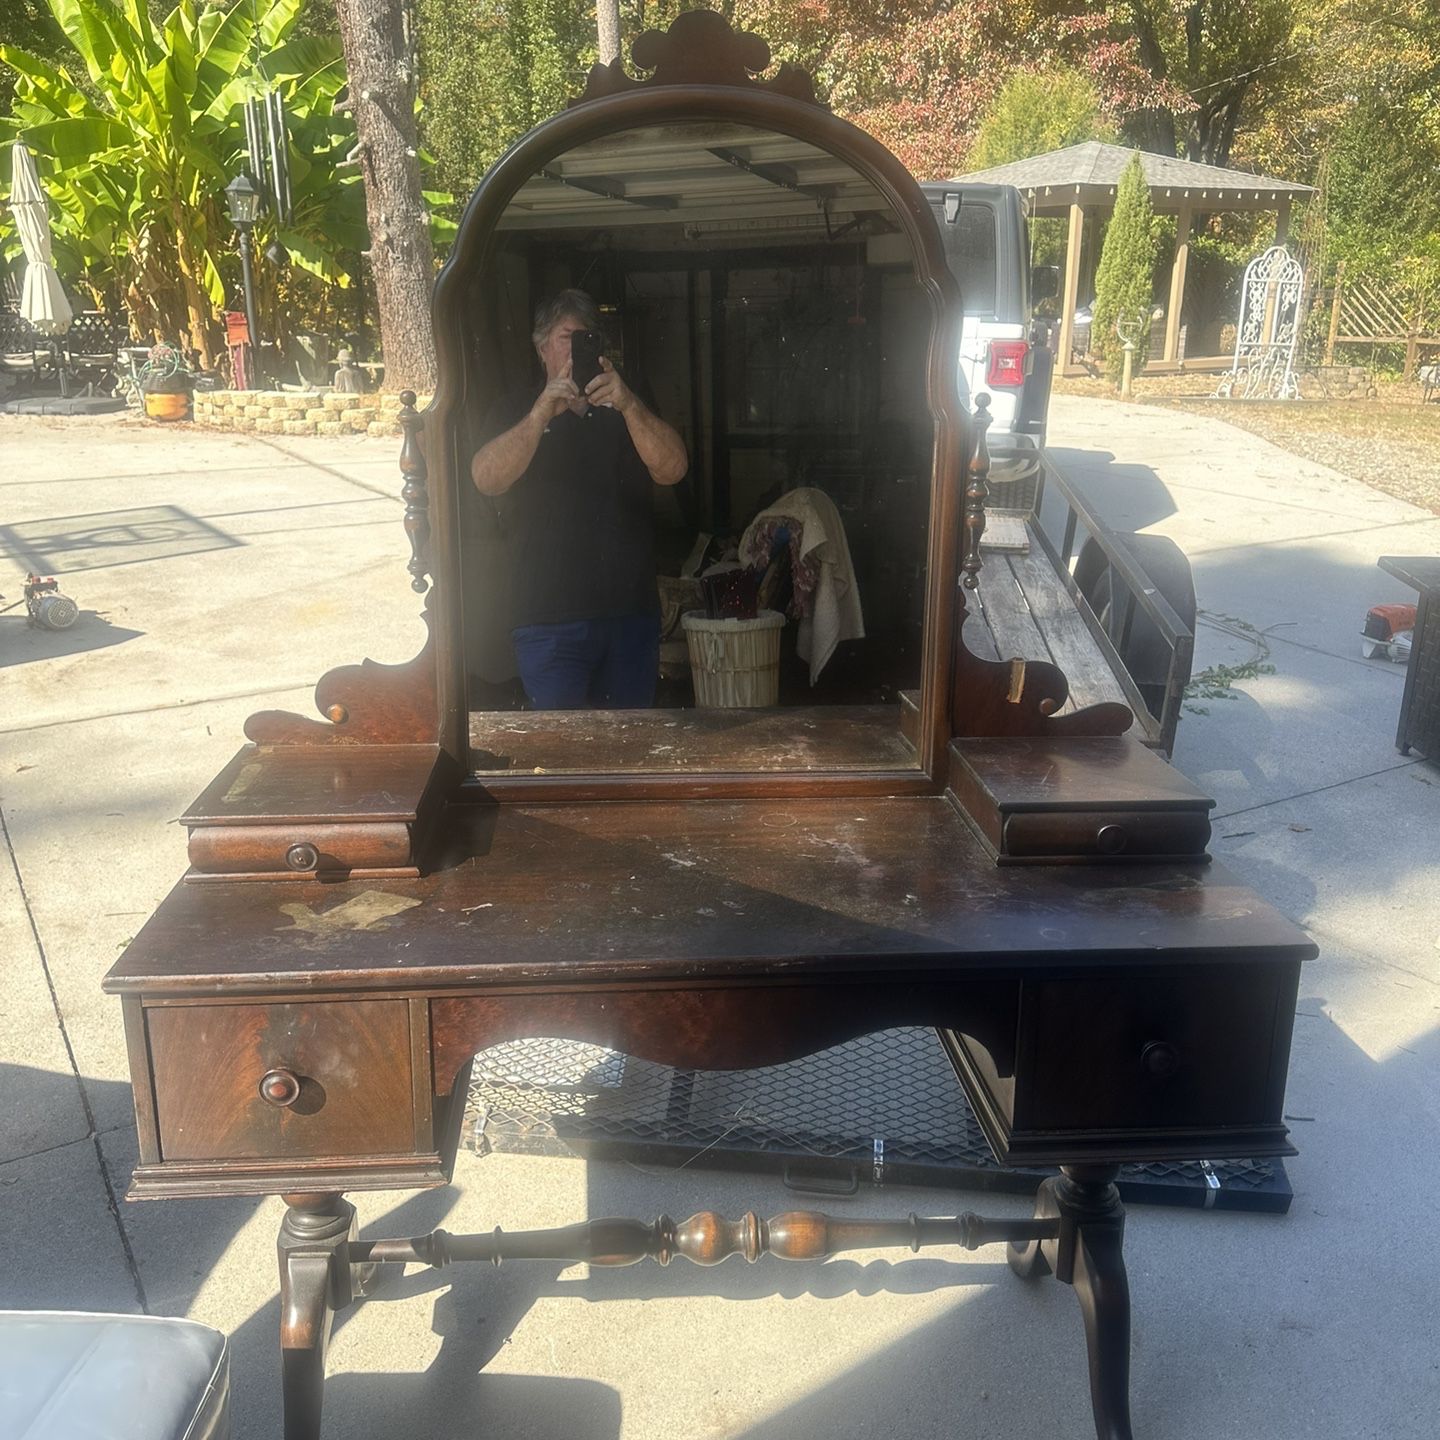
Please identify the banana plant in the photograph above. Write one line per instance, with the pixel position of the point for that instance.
(136, 159)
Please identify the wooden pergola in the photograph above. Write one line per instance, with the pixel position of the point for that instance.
(1081, 180)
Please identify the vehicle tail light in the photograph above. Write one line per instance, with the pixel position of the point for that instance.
(1006, 364)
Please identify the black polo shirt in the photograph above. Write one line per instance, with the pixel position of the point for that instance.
(579, 523)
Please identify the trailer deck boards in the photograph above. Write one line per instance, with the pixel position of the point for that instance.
(1028, 614)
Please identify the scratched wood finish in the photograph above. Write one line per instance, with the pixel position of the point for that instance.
(711, 890)
(268, 784)
(338, 849)
(290, 810)
(811, 738)
(351, 1062)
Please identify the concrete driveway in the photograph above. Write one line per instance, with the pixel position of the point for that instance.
(227, 573)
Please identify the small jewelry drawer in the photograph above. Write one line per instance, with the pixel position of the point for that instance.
(329, 1078)
(1106, 835)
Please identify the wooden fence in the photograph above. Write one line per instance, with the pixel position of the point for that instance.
(1365, 311)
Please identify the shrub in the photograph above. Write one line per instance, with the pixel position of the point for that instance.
(1125, 278)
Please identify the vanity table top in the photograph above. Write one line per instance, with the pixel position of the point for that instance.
(759, 890)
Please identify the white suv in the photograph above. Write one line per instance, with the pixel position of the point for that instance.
(987, 245)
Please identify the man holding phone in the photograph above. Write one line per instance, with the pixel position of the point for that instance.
(573, 469)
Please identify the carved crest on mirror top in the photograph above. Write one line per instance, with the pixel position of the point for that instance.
(700, 48)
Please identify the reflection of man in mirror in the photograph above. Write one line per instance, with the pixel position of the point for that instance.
(576, 472)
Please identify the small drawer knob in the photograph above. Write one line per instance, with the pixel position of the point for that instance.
(303, 856)
(280, 1087)
(1160, 1059)
(1111, 839)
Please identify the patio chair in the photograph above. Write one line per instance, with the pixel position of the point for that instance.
(91, 349)
(25, 355)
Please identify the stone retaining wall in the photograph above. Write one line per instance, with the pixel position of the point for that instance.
(282, 412)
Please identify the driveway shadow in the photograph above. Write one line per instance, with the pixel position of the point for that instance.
(20, 643)
(109, 538)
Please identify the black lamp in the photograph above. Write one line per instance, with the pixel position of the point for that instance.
(243, 200)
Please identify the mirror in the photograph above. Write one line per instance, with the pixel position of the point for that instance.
(722, 565)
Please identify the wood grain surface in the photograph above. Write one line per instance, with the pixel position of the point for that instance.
(538, 896)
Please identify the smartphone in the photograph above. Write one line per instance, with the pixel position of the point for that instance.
(586, 348)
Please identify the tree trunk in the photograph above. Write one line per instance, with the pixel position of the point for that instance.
(607, 25)
(379, 61)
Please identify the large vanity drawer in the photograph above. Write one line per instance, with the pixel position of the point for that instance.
(1176, 1063)
(262, 1081)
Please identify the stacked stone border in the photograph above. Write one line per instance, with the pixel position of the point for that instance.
(282, 412)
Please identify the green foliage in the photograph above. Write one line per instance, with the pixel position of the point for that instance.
(1037, 111)
(135, 161)
(1217, 59)
(1124, 279)
(1384, 200)
(29, 25)
(492, 69)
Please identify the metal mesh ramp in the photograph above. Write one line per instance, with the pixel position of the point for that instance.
(885, 1108)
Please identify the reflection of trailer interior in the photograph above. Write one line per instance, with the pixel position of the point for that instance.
(1115, 612)
(779, 328)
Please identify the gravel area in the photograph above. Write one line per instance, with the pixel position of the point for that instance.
(1393, 447)
(1391, 442)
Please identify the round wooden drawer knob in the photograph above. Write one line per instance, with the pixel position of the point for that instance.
(303, 856)
(1160, 1060)
(279, 1087)
(1111, 839)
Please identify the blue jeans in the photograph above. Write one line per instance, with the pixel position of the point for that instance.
(590, 664)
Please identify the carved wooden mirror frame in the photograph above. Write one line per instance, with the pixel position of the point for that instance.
(701, 70)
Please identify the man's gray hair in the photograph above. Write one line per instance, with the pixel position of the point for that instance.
(568, 304)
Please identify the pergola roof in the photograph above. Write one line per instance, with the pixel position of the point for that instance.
(1090, 172)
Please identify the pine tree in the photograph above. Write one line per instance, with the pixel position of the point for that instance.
(1124, 279)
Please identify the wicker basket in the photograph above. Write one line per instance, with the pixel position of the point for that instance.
(735, 663)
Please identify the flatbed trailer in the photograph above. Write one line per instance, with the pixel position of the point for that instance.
(1058, 584)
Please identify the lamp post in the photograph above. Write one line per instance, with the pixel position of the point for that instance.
(243, 200)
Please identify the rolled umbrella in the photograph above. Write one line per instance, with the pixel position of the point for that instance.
(42, 300)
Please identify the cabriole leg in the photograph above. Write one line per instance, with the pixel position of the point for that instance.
(315, 1282)
(1088, 1255)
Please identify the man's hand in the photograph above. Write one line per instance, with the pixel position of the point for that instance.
(607, 388)
(558, 395)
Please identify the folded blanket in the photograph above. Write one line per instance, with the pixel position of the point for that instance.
(831, 609)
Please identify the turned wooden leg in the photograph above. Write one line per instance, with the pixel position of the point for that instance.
(315, 1282)
(1088, 1255)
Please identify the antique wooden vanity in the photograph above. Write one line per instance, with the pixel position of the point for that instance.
(922, 838)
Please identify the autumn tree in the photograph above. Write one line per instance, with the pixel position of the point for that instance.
(1124, 279)
(1212, 57)
(1037, 111)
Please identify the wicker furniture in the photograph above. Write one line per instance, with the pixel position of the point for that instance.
(1419, 727)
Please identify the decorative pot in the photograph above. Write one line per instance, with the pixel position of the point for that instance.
(167, 407)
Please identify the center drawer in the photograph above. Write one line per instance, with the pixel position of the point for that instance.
(304, 1079)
